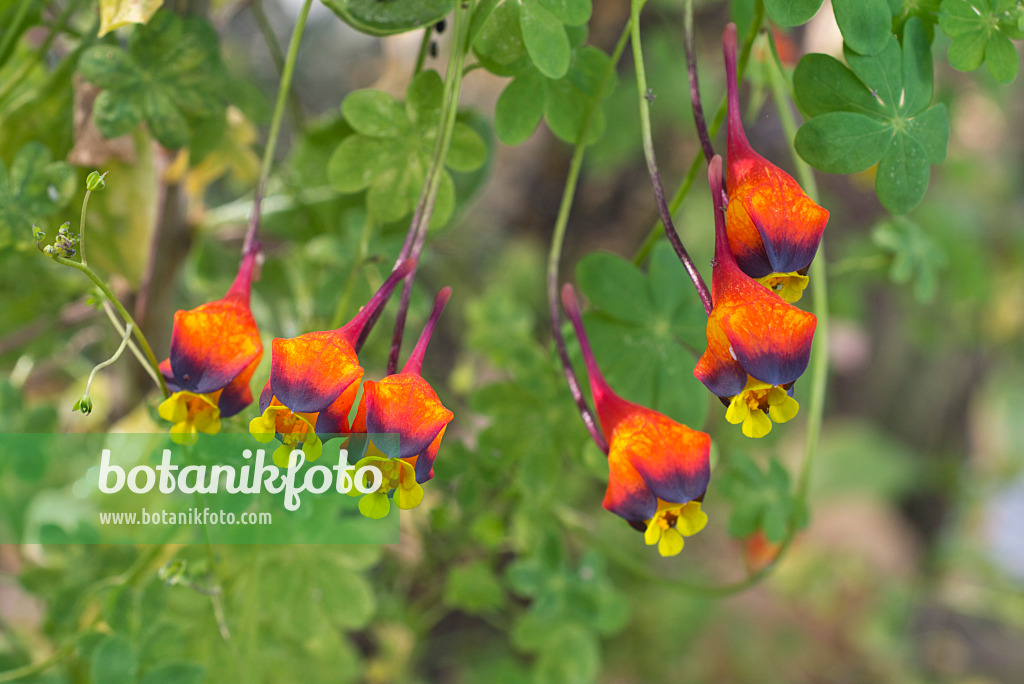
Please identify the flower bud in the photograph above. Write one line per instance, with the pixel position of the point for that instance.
(84, 404)
(96, 181)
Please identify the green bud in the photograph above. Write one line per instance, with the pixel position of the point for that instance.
(173, 572)
(84, 405)
(96, 181)
(65, 228)
(49, 251)
(38, 233)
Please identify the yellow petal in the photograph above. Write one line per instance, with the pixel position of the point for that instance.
(409, 497)
(738, 410)
(785, 410)
(282, 455)
(174, 408)
(671, 543)
(117, 13)
(374, 506)
(691, 519)
(258, 429)
(653, 532)
(312, 448)
(756, 424)
(184, 433)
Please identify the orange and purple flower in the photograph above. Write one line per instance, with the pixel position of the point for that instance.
(403, 404)
(658, 469)
(774, 228)
(215, 349)
(758, 344)
(315, 377)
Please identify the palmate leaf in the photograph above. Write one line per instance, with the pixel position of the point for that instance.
(542, 33)
(33, 188)
(390, 150)
(876, 111)
(533, 93)
(646, 330)
(982, 31)
(171, 77)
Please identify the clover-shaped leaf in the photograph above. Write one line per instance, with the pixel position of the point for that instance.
(543, 31)
(792, 12)
(876, 111)
(761, 500)
(981, 31)
(533, 94)
(390, 152)
(915, 256)
(33, 188)
(171, 77)
(646, 330)
(387, 18)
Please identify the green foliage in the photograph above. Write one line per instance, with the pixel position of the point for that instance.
(562, 96)
(982, 31)
(875, 111)
(533, 30)
(916, 258)
(865, 24)
(32, 189)
(473, 588)
(387, 18)
(390, 152)
(646, 330)
(792, 12)
(762, 500)
(171, 77)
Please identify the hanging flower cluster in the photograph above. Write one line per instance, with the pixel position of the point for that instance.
(758, 344)
(658, 469)
(313, 390)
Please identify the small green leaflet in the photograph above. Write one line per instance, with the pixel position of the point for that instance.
(538, 29)
(379, 18)
(646, 331)
(390, 152)
(791, 12)
(171, 77)
(33, 188)
(534, 94)
(981, 31)
(761, 500)
(875, 112)
(915, 256)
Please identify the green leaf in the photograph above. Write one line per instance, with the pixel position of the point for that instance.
(1001, 58)
(172, 73)
(387, 18)
(615, 286)
(792, 12)
(847, 134)
(175, 673)
(473, 588)
(902, 177)
(374, 113)
(982, 31)
(115, 662)
(31, 190)
(916, 257)
(423, 100)
(569, 12)
(545, 39)
(520, 108)
(468, 151)
(571, 655)
(843, 142)
(823, 84)
(500, 39)
(865, 24)
(357, 161)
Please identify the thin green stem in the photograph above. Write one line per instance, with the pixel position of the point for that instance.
(645, 99)
(558, 240)
(287, 73)
(350, 283)
(819, 286)
(435, 172)
(698, 160)
(26, 66)
(12, 29)
(38, 667)
(136, 352)
(276, 55)
(421, 56)
(103, 364)
(109, 294)
(81, 227)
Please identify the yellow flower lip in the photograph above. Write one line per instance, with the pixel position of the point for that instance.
(191, 414)
(758, 405)
(671, 523)
(790, 286)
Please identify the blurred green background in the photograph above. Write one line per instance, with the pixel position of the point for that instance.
(910, 569)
